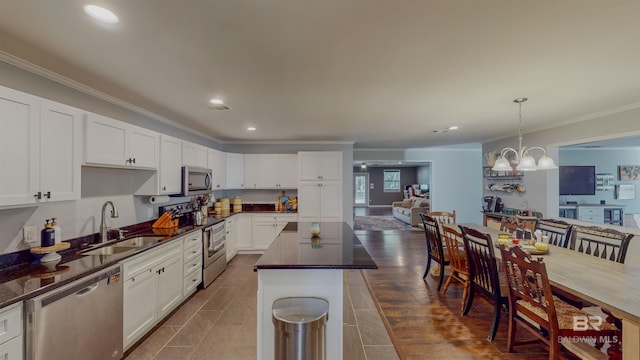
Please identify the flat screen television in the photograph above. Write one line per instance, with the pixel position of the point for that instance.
(577, 180)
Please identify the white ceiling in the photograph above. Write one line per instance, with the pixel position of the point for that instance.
(382, 73)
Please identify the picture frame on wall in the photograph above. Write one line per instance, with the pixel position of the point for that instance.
(629, 172)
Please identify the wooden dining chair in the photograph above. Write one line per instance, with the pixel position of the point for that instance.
(458, 266)
(483, 274)
(600, 242)
(533, 307)
(443, 217)
(435, 249)
(557, 231)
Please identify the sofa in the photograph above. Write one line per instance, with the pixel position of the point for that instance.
(408, 210)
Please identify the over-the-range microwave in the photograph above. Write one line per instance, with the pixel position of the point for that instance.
(196, 181)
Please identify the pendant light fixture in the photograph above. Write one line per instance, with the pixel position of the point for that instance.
(523, 159)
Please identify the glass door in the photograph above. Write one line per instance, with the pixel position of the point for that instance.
(361, 189)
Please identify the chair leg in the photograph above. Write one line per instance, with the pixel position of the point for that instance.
(554, 349)
(426, 271)
(465, 294)
(468, 301)
(511, 337)
(446, 283)
(441, 277)
(496, 321)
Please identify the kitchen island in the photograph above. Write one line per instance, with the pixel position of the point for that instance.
(298, 264)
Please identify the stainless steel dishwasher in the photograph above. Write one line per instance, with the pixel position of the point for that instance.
(80, 320)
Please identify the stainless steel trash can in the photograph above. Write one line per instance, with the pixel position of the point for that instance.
(300, 328)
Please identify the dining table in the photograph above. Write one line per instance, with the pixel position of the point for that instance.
(608, 284)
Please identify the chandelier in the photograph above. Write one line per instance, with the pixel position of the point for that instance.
(523, 159)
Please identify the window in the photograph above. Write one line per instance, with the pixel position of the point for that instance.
(391, 180)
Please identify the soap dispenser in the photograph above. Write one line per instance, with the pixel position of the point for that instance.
(57, 230)
(47, 235)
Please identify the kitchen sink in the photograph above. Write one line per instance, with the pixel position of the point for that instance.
(119, 247)
(109, 250)
(139, 241)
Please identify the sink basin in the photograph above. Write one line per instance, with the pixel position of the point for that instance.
(139, 241)
(109, 250)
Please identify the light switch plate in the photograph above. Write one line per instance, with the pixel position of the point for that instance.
(30, 234)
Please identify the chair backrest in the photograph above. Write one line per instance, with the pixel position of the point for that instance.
(443, 217)
(434, 241)
(603, 243)
(455, 247)
(528, 281)
(558, 231)
(483, 269)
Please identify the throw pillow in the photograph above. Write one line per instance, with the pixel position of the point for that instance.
(406, 203)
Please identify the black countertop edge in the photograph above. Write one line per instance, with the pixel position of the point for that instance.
(314, 267)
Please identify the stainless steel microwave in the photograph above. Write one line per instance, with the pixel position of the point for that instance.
(196, 181)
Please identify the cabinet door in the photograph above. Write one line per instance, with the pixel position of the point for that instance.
(331, 201)
(288, 171)
(309, 165)
(217, 163)
(331, 165)
(12, 349)
(235, 170)
(60, 151)
(263, 234)
(320, 165)
(194, 155)
(268, 171)
(104, 140)
(139, 305)
(230, 227)
(251, 171)
(19, 147)
(142, 148)
(309, 200)
(170, 282)
(244, 232)
(170, 165)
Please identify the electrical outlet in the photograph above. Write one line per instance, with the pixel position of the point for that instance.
(150, 213)
(29, 234)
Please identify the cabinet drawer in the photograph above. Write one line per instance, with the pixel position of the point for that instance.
(141, 263)
(592, 218)
(192, 253)
(590, 211)
(12, 349)
(193, 240)
(191, 266)
(10, 323)
(192, 282)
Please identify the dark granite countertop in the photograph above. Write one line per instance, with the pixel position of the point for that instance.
(24, 281)
(336, 248)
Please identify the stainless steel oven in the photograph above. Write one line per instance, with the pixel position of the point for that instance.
(214, 252)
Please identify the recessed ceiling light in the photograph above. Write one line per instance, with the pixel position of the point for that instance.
(100, 13)
(252, 128)
(453, 127)
(216, 101)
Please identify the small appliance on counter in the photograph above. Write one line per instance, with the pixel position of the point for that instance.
(183, 212)
(492, 204)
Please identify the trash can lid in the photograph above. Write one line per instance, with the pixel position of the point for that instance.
(300, 309)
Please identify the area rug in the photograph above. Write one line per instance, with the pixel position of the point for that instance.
(381, 223)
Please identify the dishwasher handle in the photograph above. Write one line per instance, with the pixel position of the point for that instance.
(88, 290)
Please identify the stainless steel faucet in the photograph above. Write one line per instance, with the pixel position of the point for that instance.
(103, 224)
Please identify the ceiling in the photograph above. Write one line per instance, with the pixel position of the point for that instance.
(381, 73)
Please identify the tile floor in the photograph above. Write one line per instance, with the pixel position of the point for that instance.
(219, 322)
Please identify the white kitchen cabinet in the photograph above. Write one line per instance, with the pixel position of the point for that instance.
(217, 162)
(288, 171)
(194, 155)
(231, 237)
(110, 142)
(265, 228)
(251, 172)
(168, 179)
(152, 288)
(234, 171)
(11, 337)
(40, 150)
(320, 201)
(244, 236)
(320, 165)
(192, 244)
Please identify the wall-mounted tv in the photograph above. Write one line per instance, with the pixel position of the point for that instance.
(577, 180)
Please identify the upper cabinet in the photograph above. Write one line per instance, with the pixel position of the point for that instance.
(250, 171)
(194, 155)
(217, 162)
(320, 165)
(110, 142)
(168, 179)
(40, 150)
(270, 171)
(234, 171)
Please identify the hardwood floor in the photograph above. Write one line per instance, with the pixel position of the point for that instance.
(220, 322)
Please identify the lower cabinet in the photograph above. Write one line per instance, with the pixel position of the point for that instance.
(192, 263)
(231, 235)
(11, 338)
(153, 287)
(264, 229)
